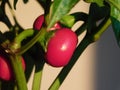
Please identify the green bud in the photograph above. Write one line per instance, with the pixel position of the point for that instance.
(68, 21)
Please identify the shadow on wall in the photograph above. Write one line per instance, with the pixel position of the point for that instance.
(108, 62)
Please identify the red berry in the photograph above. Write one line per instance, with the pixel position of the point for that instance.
(6, 72)
(38, 22)
(60, 47)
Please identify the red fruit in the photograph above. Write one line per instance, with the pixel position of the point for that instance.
(23, 63)
(6, 72)
(38, 22)
(60, 47)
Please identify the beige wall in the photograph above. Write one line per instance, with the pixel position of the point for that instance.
(82, 75)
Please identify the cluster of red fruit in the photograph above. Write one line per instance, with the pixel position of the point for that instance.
(60, 48)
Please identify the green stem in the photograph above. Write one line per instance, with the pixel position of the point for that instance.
(39, 64)
(18, 72)
(40, 36)
(23, 35)
(102, 27)
(37, 79)
(64, 72)
(19, 38)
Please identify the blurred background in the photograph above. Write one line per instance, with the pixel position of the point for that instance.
(107, 62)
(96, 69)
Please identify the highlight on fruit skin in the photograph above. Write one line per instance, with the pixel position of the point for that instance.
(61, 47)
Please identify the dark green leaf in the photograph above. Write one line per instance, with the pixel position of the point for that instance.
(2, 37)
(14, 4)
(99, 2)
(45, 5)
(96, 13)
(25, 1)
(29, 64)
(116, 29)
(1, 13)
(115, 12)
(115, 18)
(42, 3)
(59, 9)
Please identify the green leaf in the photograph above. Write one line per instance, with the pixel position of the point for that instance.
(116, 29)
(68, 21)
(1, 13)
(2, 38)
(99, 2)
(96, 13)
(59, 9)
(71, 19)
(115, 12)
(14, 3)
(115, 18)
(45, 5)
(25, 1)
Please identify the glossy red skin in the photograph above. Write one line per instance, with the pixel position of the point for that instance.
(6, 72)
(38, 22)
(61, 47)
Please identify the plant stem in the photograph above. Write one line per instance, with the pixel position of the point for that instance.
(16, 44)
(64, 72)
(40, 36)
(18, 72)
(39, 64)
(37, 79)
(23, 35)
(101, 28)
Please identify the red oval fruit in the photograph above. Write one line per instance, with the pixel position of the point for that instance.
(60, 47)
(38, 22)
(23, 63)
(6, 72)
